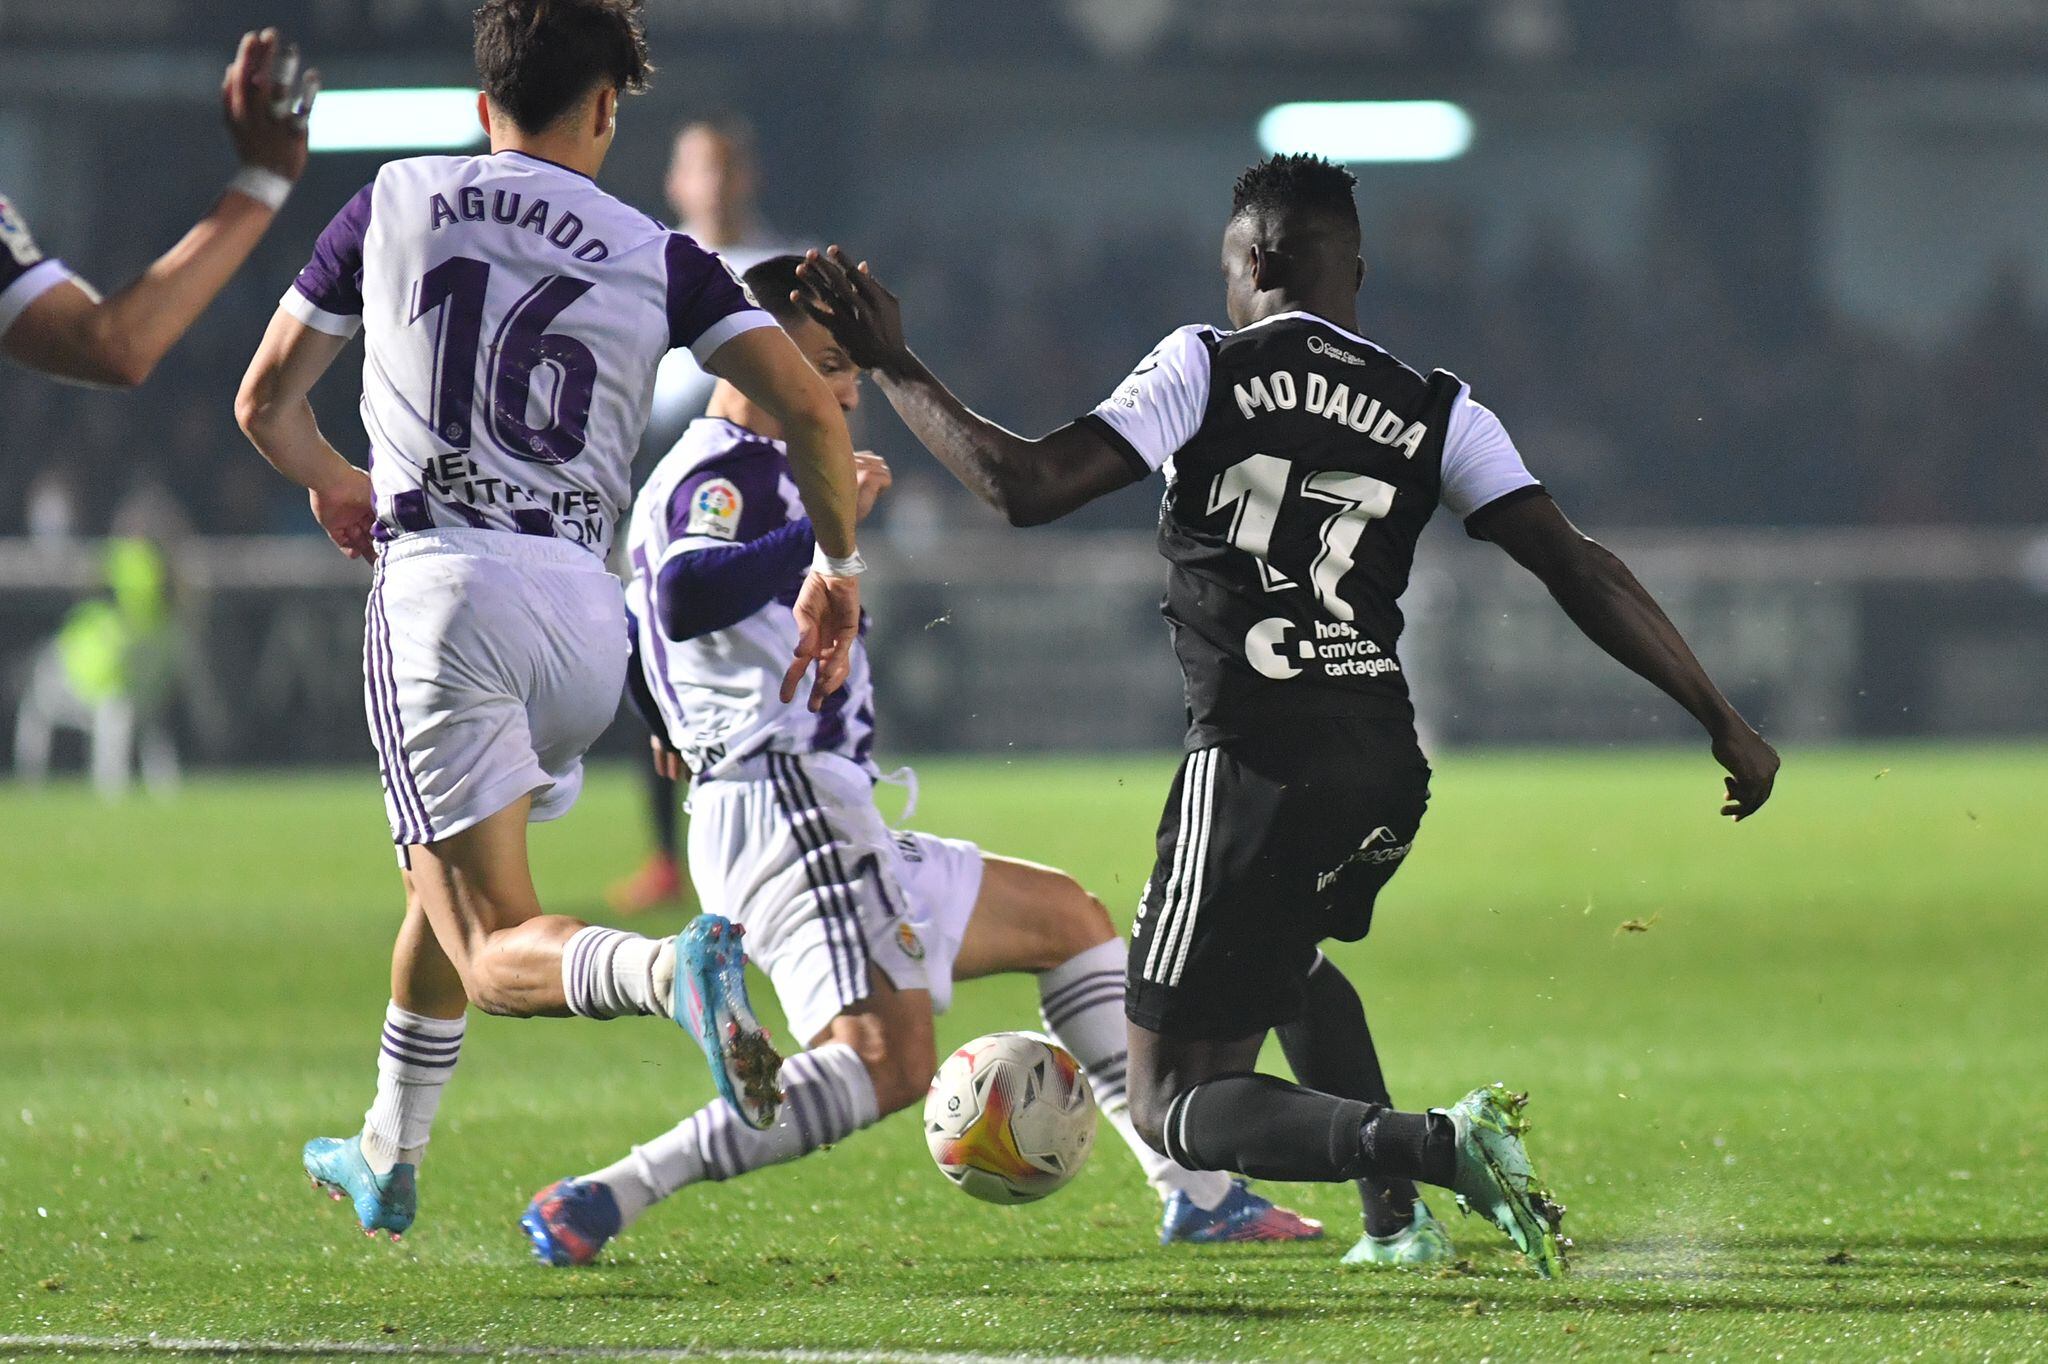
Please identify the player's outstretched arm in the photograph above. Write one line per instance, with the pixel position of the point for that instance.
(1603, 598)
(71, 333)
(1029, 481)
(767, 367)
(273, 412)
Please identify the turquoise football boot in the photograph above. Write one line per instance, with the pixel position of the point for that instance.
(385, 1204)
(1422, 1244)
(710, 1002)
(1494, 1180)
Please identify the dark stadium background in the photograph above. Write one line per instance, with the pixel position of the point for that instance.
(1757, 287)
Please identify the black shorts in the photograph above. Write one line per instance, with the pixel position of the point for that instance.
(1268, 847)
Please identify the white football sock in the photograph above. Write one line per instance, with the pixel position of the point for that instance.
(1082, 1002)
(416, 1058)
(828, 1097)
(607, 973)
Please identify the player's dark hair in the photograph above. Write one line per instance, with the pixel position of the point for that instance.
(539, 58)
(1296, 184)
(771, 282)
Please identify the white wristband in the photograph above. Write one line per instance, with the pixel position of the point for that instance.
(266, 187)
(852, 566)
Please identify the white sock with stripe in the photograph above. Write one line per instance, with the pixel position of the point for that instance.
(607, 973)
(414, 1061)
(828, 1096)
(1082, 1002)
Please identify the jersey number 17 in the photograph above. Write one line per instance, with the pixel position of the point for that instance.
(1258, 487)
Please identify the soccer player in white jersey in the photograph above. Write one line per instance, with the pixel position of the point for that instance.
(513, 316)
(863, 930)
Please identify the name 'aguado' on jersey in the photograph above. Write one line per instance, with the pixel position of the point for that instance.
(1302, 463)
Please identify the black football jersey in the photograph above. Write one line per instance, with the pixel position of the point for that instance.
(25, 275)
(1302, 463)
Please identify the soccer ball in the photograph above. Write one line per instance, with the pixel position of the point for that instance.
(1010, 1117)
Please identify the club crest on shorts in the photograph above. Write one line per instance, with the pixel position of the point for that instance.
(907, 939)
(715, 510)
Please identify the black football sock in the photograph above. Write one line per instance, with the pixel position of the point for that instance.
(1330, 1049)
(1267, 1128)
(661, 805)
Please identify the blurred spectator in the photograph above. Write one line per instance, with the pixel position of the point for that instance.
(51, 508)
(713, 189)
(109, 674)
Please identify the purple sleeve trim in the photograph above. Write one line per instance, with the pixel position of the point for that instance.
(702, 590)
(701, 291)
(333, 279)
(751, 472)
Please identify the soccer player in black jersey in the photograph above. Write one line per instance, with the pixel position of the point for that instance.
(54, 322)
(1301, 463)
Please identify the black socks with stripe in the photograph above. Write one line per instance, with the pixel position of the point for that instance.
(1266, 1128)
(1329, 1048)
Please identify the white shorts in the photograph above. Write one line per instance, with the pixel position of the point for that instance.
(794, 850)
(491, 663)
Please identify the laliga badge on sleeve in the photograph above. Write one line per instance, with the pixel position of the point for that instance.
(715, 510)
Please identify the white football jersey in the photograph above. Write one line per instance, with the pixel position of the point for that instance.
(514, 315)
(720, 693)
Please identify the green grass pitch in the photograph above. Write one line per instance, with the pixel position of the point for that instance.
(1799, 1114)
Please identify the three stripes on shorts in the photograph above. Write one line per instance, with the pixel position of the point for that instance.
(1173, 930)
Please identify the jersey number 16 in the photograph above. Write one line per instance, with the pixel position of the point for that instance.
(1258, 487)
(455, 290)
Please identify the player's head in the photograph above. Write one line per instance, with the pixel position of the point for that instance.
(1293, 236)
(771, 283)
(711, 175)
(558, 67)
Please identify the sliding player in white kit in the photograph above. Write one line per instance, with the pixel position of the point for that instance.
(514, 314)
(863, 930)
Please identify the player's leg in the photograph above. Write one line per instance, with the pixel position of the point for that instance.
(1199, 1100)
(872, 1060)
(416, 1055)
(1330, 1048)
(778, 850)
(1224, 942)
(1028, 917)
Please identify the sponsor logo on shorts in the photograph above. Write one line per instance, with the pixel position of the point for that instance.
(715, 510)
(907, 939)
(1379, 848)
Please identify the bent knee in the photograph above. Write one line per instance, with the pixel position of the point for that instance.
(900, 1061)
(903, 1079)
(1148, 1115)
(1075, 920)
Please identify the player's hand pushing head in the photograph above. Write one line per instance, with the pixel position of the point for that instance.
(848, 301)
(266, 97)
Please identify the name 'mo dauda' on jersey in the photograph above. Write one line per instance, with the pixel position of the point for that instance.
(1301, 462)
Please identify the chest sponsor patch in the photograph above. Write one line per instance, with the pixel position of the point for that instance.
(14, 236)
(715, 510)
